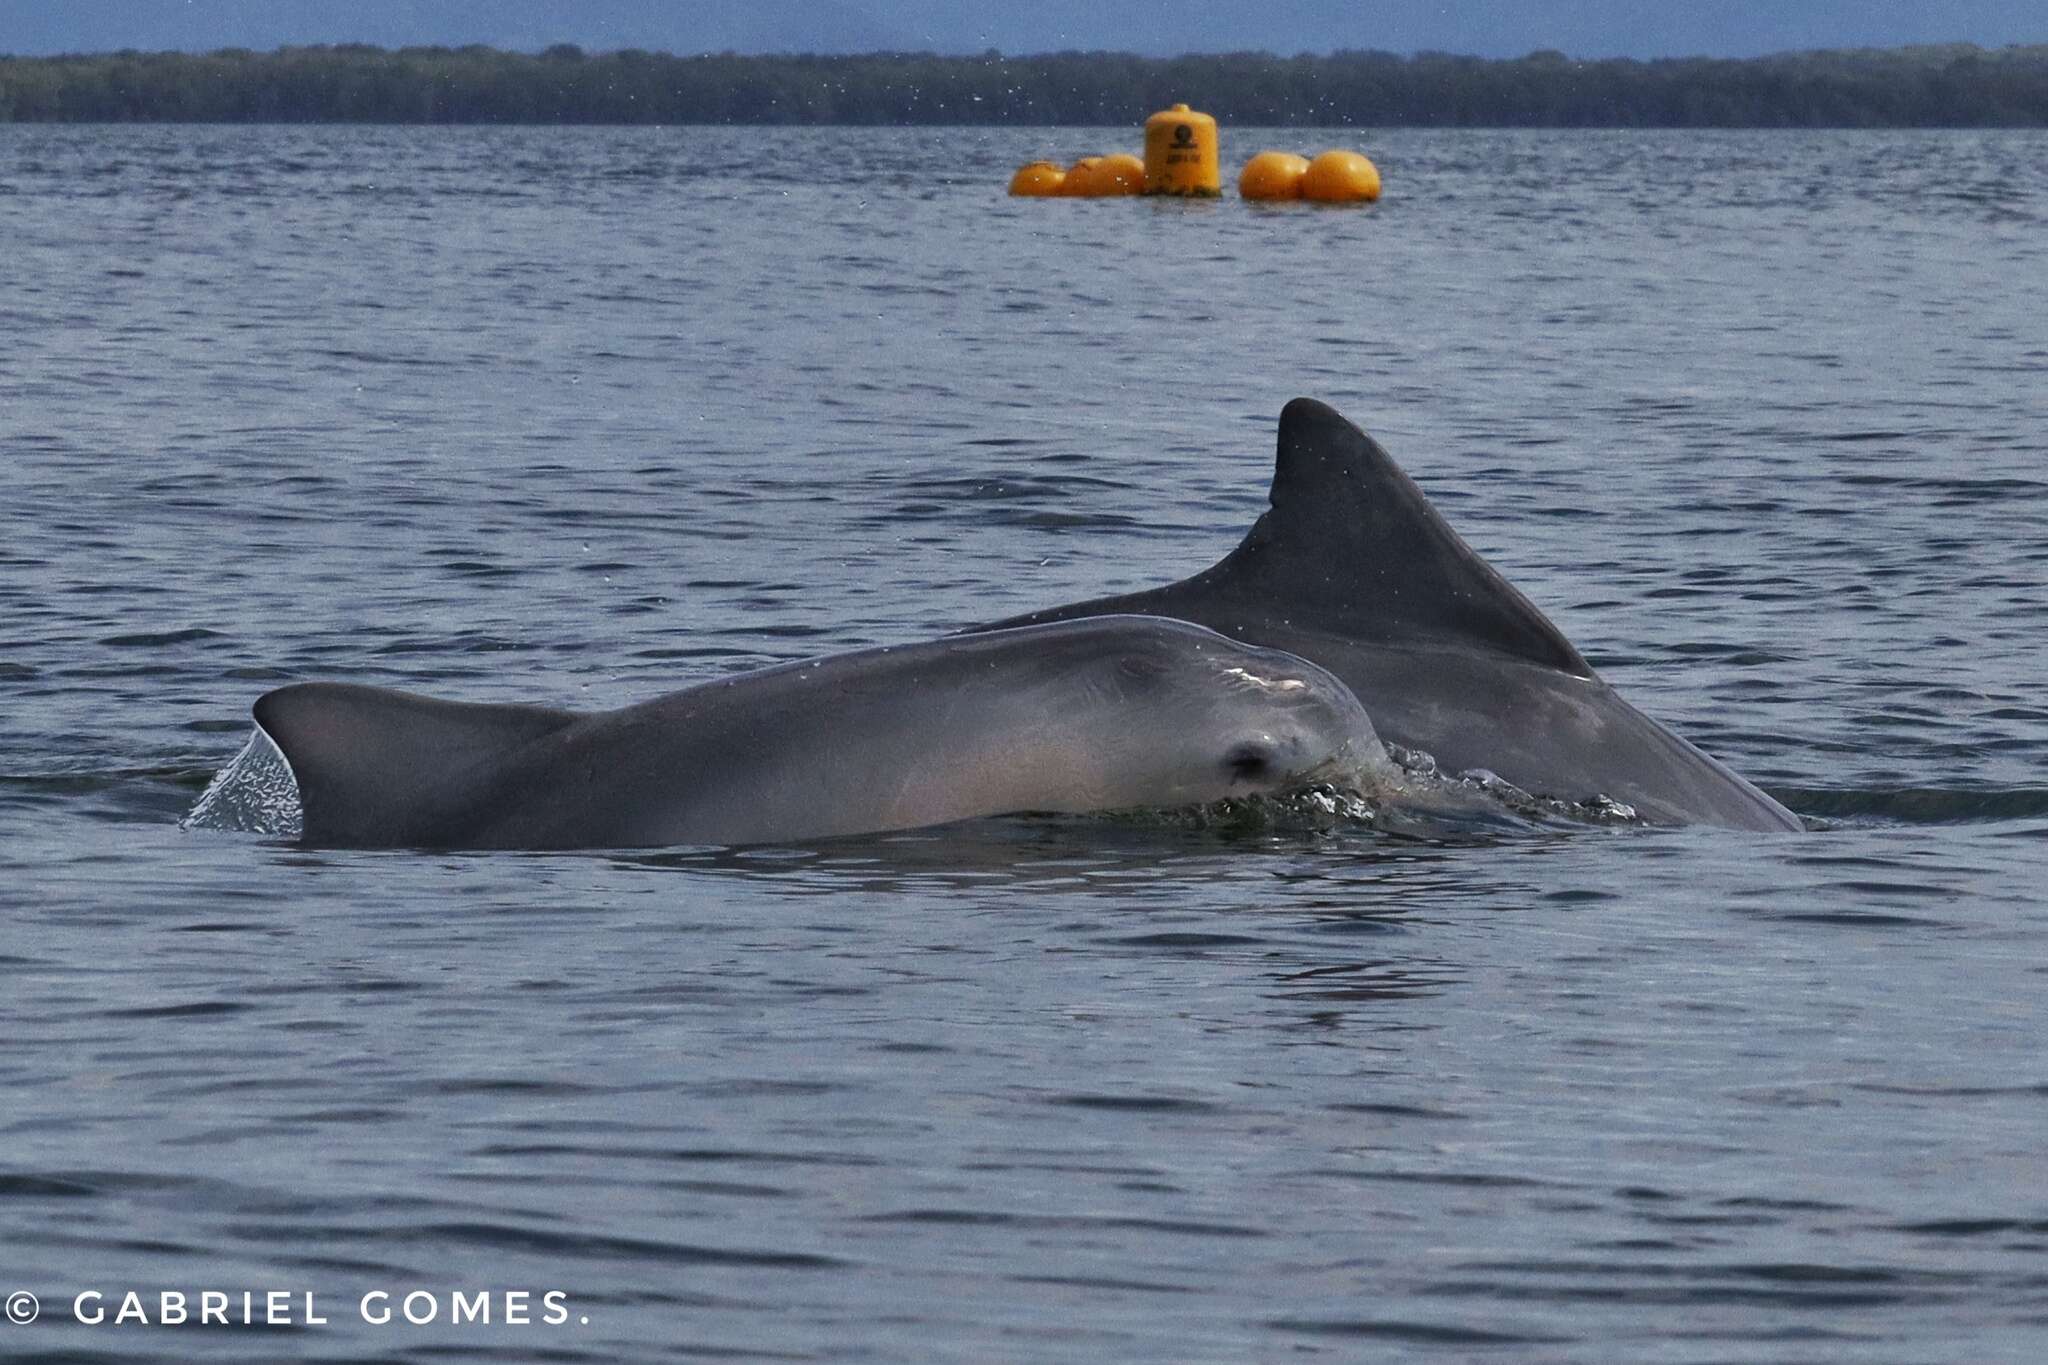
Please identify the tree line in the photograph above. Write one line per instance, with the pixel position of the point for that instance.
(1953, 86)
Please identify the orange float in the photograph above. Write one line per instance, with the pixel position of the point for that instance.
(1080, 181)
(1037, 180)
(1339, 177)
(1272, 175)
(1120, 173)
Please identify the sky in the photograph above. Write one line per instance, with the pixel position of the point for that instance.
(1489, 28)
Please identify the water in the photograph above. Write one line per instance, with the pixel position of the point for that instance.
(578, 417)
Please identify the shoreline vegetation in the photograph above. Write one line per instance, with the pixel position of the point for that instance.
(1956, 86)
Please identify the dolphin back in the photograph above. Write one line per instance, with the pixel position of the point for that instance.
(1351, 567)
(1351, 540)
(1352, 546)
(377, 768)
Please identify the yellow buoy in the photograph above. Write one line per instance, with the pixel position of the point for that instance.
(1120, 173)
(1037, 179)
(1093, 177)
(1338, 177)
(1273, 175)
(1081, 177)
(1181, 153)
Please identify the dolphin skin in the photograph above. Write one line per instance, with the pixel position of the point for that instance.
(1106, 713)
(1352, 568)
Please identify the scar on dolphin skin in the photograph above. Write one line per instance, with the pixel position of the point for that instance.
(1251, 679)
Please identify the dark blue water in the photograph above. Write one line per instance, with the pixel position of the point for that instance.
(579, 417)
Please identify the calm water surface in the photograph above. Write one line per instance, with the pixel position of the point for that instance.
(579, 417)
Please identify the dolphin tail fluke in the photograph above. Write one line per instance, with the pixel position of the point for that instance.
(376, 767)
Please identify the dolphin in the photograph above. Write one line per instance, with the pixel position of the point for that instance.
(1105, 713)
(1352, 568)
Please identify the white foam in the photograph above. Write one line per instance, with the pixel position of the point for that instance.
(255, 794)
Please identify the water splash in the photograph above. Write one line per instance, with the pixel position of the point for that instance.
(1419, 802)
(1482, 797)
(255, 794)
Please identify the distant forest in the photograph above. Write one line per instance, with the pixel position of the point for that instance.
(1935, 87)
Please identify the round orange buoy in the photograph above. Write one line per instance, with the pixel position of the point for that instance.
(1338, 177)
(1038, 179)
(1273, 175)
(1120, 173)
(1081, 177)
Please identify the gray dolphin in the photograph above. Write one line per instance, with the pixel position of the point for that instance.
(1107, 713)
(1352, 568)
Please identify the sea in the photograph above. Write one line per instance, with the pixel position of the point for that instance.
(580, 416)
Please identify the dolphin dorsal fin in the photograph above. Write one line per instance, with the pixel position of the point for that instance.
(1350, 544)
(381, 767)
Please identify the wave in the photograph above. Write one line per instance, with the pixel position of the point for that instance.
(1916, 805)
